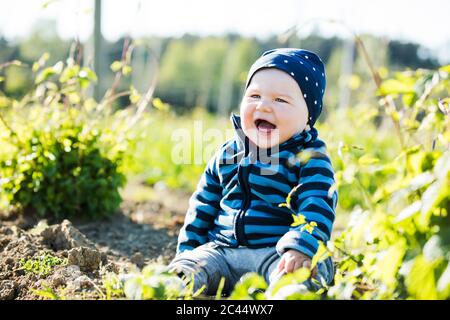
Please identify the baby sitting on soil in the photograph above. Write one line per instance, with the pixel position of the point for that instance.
(235, 223)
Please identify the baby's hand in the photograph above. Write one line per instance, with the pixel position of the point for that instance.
(292, 260)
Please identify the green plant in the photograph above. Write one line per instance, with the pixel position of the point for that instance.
(251, 287)
(112, 286)
(396, 245)
(62, 173)
(164, 136)
(49, 293)
(42, 265)
(62, 152)
(155, 282)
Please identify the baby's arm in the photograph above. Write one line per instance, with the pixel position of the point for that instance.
(203, 209)
(311, 199)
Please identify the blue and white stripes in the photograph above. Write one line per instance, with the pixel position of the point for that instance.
(237, 203)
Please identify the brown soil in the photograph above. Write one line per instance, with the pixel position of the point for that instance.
(140, 233)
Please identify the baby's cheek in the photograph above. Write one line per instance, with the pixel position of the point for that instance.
(247, 118)
(292, 125)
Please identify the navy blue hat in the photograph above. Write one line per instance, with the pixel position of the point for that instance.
(305, 67)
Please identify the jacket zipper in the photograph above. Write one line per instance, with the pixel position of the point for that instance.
(239, 223)
(243, 173)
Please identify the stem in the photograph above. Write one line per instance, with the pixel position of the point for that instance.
(352, 257)
(7, 126)
(388, 101)
(13, 63)
(127, 48)
(365, 194)
(117, 95)
(79, 52)
(149, 94)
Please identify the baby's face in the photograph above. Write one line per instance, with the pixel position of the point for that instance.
(273, 108)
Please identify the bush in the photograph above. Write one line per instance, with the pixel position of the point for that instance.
(62, 172)
(62, 153)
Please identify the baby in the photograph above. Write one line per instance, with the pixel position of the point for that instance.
(235, 224)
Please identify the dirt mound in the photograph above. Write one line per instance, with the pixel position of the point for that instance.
(64, 237)
(88, 250)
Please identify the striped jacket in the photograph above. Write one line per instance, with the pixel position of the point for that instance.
(237, 198)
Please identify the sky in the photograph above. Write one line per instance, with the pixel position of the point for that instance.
(424, 22)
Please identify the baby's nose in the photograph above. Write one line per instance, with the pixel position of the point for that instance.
(264, 105)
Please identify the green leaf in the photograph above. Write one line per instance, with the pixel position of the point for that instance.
(250, 286)
(321, 254)
(116, 66)
(443, 284)
(69, 73)
(445, 68)
(289, 198)
(409, 211)
(135, 97)
(389, 262)
(444, 106)
(49, 72)
(309, 227)
(429, 199)
(4, 102)
(366, 160)
(45, 74)
(298, 220)
(220, 288)
(432, 250)
(47, 3)
(88, 74)
(420, 281)
(393, 86)
(126, 70)
(41, 62)
(297, 277)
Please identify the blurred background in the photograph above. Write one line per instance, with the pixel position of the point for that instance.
(193, 58)
(203, 49)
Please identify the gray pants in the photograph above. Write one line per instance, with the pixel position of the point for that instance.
(210, 262)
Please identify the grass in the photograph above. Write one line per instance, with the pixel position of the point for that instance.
(163, 137)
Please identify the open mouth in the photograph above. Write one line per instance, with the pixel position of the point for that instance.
(264, 125)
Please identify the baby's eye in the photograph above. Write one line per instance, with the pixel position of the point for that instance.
(280, 100)
(256, 96)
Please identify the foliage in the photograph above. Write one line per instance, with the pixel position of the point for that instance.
(155, 282)
(396, 245)
(112, 286)
(163, 137)
(251, 287)
(62, 152)
(42, 265)
(49, 293)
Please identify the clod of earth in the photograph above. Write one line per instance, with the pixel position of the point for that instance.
(87, 258)
(65, 236)
(89, 249)
(7, 289)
